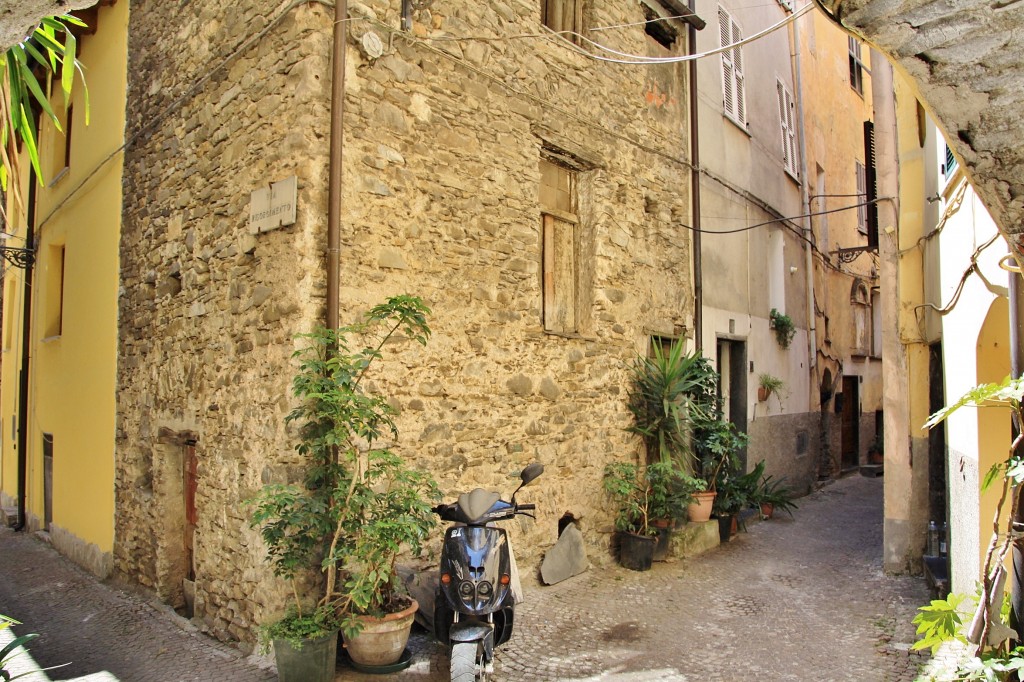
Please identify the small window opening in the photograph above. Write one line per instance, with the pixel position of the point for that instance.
(659, 28)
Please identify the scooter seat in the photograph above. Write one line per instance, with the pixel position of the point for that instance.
(477, 502)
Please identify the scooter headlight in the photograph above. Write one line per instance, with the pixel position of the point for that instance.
(484, 590)
(466, 590)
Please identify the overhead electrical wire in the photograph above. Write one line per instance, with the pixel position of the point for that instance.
(634, 59)
(747, 228)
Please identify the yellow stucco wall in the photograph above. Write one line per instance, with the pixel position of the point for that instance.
(72, 383)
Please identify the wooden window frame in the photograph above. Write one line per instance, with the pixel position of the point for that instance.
(857, 68)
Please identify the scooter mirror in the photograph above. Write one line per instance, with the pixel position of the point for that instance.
(530, 472)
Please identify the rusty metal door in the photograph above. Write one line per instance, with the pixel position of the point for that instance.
(191, 480)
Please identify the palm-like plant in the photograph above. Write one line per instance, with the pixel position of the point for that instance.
(669, 392)
(49, 50)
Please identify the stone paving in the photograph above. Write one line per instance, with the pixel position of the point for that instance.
(792, 599)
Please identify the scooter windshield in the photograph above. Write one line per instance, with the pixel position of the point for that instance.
(477, 559)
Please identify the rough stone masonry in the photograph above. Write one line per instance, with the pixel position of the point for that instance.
(446, 126)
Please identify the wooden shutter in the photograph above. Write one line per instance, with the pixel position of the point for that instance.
(728, 70)
(737, 62)
(862, 215)
(870, 185)
(780, 92)
(788, 127)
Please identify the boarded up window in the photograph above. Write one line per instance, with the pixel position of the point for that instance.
(559, 224)
(563, 16)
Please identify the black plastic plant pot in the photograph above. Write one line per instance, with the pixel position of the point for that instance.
(636, 552)
(663, 542)
(725, 527)
(314, 662)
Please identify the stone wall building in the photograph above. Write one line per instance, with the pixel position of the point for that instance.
(531, 194)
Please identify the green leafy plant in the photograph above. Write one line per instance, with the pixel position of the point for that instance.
(718, 444)
(671, 490)
(626, 484)
(736, 491)
(991, 667)
(939, 622)
(770, 385)
(360, 505)
(8, 652)
(784, 328)
(771, 491)
(644, 493)
(49, 49)
(665, 400)
(994, 658)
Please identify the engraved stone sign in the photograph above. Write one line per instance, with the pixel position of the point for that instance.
(273, 207)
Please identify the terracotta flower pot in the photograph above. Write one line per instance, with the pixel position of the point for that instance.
(382, 640)
(700, 509)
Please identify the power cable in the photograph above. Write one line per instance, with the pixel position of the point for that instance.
(747, 228)
(634, 59)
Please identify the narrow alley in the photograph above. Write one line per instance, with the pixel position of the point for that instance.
(792, 599)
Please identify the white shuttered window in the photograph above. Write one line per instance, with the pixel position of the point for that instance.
(786, 123)
(733, 95)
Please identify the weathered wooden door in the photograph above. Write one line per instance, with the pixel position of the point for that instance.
(851, 422)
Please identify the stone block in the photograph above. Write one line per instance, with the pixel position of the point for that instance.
(694, 539)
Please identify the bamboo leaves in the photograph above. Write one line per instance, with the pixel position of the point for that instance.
(50, 49)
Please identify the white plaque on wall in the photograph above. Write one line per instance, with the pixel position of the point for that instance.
(273, 207)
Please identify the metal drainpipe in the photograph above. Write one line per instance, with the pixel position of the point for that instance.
(698, 276)
(26, 355)
(812, 341)
(334, 184)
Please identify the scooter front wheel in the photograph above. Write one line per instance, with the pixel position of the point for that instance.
(468, 662)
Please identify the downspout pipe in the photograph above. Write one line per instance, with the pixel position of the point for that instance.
(805, 202)
(334, 183)
(26, 355)
(698, 275)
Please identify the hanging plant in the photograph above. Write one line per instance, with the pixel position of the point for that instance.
(784, 328)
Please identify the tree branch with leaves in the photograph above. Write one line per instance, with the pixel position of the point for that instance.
(48, 52)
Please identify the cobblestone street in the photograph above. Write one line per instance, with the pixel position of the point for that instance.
(792, 599)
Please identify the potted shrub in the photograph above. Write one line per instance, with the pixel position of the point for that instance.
(735, 493)
(718, 445)
(770, 495)
(359, 504)
(769, 385)
(628, 486)
(671, 493)
(664, 400)
(670, 392)
(876, 451)
(783, 326)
